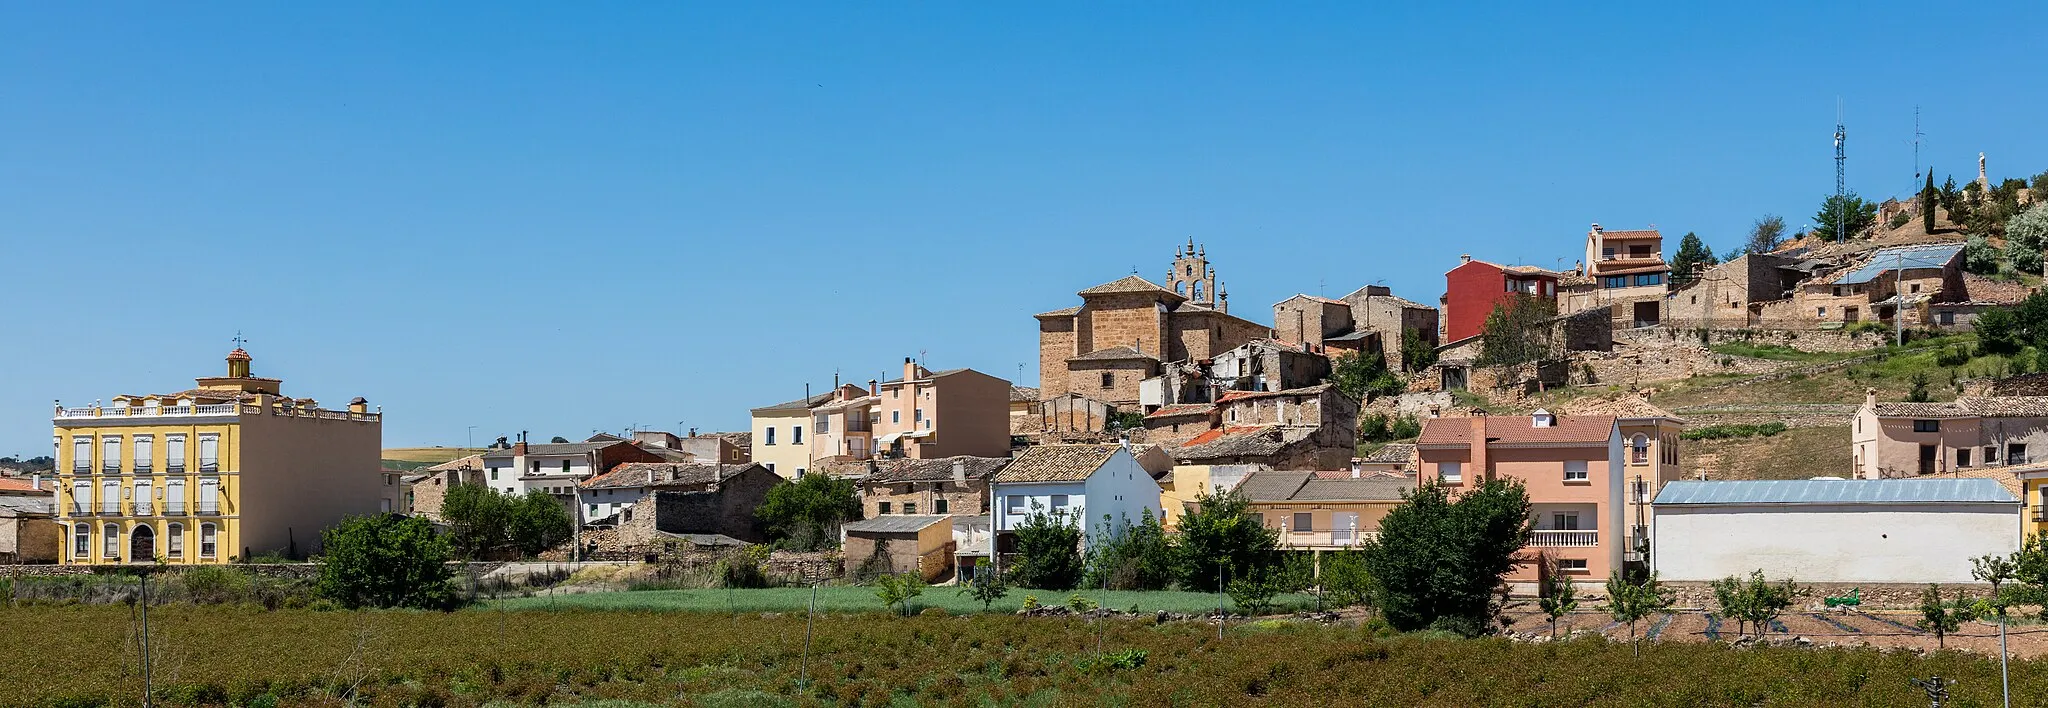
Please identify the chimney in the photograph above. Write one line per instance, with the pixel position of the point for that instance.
(1464, 258)
(1870, 397)
(1356, 465)
(359, 406)
(960, 472)
(1596, 228)
(909, 369)
(1435, 411)
(872, 391)
(1478, 456)
(693, 432)
(519, 448)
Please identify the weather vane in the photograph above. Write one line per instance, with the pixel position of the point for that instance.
(239, 340)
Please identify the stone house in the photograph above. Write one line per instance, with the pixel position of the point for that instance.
(1395, 458)
(1314, 427)
(1125, 329)
(1258, 365)
(430, 486)
(684, 498)
(1370, 319)
(1731, 295)
(943, 486)
(1906, 279)
(29, 532)
(1891, 440)
(913, 543)
(1174, 425)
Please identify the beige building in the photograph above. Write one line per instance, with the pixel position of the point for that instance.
(211, 474)
(1971, 433)
(1624, 270)
(956, 486)
(777, 441)
(429, 488)
(924, 415)
(1650, 439)
(28, 529)
(1316, 511)
(1370, 319)
(1571, 467)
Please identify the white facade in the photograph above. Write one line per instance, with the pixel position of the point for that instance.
(1832, 543)
(601, 503)
(1120, 489)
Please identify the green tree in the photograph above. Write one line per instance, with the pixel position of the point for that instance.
(1222, 538)
(896, 590)
(1755, 602)
(985, 586)
(1692, 256)
(807, 514)
(559, 440)
(1980, 257)
(2007, 330)
(1919, 393)
(1364, 376)
(1131, 556)
(479, 519)
(2029, 227)
(537, 522)
(1438, 562)
(1942, 617)
(1048, 551)
(1346, 580)
(1765, 234)
(1517, 332)
(1558, 594)
(2022, 257)
(386, 561)
(1928, 198)
(1416, 351)
(1633, 600)
(1849, 210)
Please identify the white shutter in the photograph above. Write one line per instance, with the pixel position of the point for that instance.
(143, 501)
(209, 497)
(209, 452)
(81, 498)
(145, 452)
(110, 453)
(81, 453)
(174, 452)
(174, 497)
(110, 497)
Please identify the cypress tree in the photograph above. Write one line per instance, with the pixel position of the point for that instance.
(1927, 199)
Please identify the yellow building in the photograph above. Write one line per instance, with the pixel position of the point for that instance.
(778, 441)
(211, 474)
(2034, 502)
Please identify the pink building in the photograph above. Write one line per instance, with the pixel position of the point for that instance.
(924, 415)
(1571, 466)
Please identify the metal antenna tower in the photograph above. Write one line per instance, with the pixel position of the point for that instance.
(1841, 178)
(1917, 135)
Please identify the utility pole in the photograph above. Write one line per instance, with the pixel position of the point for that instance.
(148, 699)
(1899, 294)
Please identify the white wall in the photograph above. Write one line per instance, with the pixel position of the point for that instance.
(1123, 490)
(1860, 543)
(1037, 499)
(608, 501)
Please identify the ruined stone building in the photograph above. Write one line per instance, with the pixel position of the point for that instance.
(1124, 330)
(1371, 319)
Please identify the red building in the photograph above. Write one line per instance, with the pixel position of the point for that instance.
(1474, 288)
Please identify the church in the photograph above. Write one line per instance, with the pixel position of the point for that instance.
(1124, 330)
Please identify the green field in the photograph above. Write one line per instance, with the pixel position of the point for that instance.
(862, 599)
(412, 458)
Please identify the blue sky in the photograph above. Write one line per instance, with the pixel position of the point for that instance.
(566, 217)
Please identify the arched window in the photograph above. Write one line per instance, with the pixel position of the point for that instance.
(81, 543)
(1197, 290)
(1640, 449)
(1180, 288)
(174, 540)
(206, 541)
(110, 545)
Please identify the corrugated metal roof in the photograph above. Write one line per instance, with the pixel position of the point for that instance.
(900, 523)
(1908, 257)
(1836, 491)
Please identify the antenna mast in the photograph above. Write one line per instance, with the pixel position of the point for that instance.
(1841, 181)
(1917, 135)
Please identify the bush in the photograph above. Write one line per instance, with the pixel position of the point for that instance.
(483, 520)
(1048, 551)
(1131, 557)
(807, 515)
(1437, 560)
(898, 589)
(386, 561)
(1952, 356)
(986, 587)
(1736, 430)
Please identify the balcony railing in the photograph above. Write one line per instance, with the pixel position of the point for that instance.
(1564, 539)
(111, 508)
(1326, 539)
(208, 508)
(143, 508)
(174, 507)
(213, 409)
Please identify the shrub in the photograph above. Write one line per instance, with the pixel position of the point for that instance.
(1222, 538)
(896, 590)
(807, 515)
(1438, 558)
(1080, 603)
(1734, 430)
(1048, 551)
(386, 561)
(986, 587)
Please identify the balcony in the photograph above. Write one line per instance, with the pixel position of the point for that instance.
(208, 509)
(143, 412)
(174, 508)
(1564, 539)
(112, 508)
(144, 508)
(1326, 539)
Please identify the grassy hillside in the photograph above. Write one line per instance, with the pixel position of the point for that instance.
(1798, 453)
(412, 458)
(1841, 378)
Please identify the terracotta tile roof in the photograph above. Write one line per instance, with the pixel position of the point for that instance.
(936, 469)
(1518, 431)
(471, 462)
(1114, 354)
(1968, 406)
(1179, 409)
(1632, 234)
(17, 484)
(1062, 312)
(1392, 452)
(1128, 284)
(1250, 441)
(1023, 393)
(637, 474)
(1056, 463)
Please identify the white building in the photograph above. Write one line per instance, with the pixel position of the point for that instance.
(1832, 530)
(1090, 483)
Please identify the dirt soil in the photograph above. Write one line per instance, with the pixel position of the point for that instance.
(1874, 628)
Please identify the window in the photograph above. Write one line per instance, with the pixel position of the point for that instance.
(771, 468)
(796, 435)
(1614, 281)
(1650, 279)
(824, 425)
(1823, 313)
(917, 415)
(895, 416)
(145, 453)
(174, 453)
(1990, 454)
(81, 498)
(209, 453)
(896, 393)
(881, 508)
(771, 435)
(1639, 449)
(1451, 472)
(110, 542)
(143, 497)
(174, 540)
(494, 474)
(1927, 426)
(2015, 453)
(1108, 380)
(1304, 522)
(206, 541)
(565, 467)
(209, 496)
(1962, 457)
(1575, 470)
(1572, 564)
(939, 506)
(81, 541)
(1607, 254)
(1914, 288)
(1564, 521)
(174, 497)
(110, 454)
(1015, 502)
(81, 453)
(909, 507)
(1059, 502)
(110, 497)
(593, 509)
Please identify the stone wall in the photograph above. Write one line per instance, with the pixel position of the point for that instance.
(297, 571)
(966, 498)
(1812, 340)
(1875, 596)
